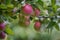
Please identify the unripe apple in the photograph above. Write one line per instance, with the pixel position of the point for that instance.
(37, 25)
(2, 35)
(27, 9)
(37, 12)
(2, 26)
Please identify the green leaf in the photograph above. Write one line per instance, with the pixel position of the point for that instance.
(34, 5)
(40, 2)
(51, 24)
(8, 1)
(10, 6)
(14, 17)
(8, 30)
(54, 8)
(56, 26)
(53, 2)
(38, 6)
(3, 6)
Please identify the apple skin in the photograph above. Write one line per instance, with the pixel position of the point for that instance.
(37, 12)
(37, 25)
(2, 35)
(27, 9)
(2, 26)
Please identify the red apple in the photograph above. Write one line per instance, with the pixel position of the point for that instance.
(37, 25)
(2, 35)
(37, 12)
(2, 26)
(27, 9)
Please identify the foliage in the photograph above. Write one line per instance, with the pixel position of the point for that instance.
(11, 12)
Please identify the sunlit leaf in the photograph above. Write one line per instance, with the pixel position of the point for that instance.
(8, 30)
(53, 2)
(54, 8)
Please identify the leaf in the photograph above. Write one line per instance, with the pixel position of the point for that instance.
(8, 30)
(38, 6)
(53, 2)
(10, 6)
(34, 5)
(8, 1)
(56, 26)
(14, 17)
(40, 2)
(54, 8)
(3, 7)
(51, 24)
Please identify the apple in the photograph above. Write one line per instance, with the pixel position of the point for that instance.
(37, 12)
(2, 26)
(37, 25)
(2, 35)
(27, 9)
